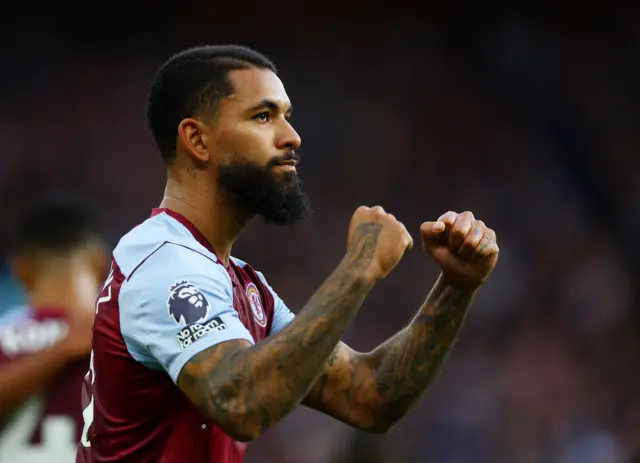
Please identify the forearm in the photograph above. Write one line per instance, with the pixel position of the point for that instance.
(372, 391)
(287, 365)
(406, 364)
(249, 390)
(27, 376)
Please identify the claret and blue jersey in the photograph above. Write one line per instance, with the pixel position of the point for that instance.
(167, 298)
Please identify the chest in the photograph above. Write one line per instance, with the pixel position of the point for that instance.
(252, 300)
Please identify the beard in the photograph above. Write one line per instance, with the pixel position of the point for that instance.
(279, 199)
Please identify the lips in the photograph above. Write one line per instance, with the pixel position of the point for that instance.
(288, 162)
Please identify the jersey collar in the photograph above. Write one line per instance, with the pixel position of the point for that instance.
(197, 234)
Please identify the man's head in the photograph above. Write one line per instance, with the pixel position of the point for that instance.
(60, 239)
(222, 113)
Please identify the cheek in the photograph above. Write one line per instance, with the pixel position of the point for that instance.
(253, 142)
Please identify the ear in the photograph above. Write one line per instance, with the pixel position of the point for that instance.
(24, 269)
(193, 136)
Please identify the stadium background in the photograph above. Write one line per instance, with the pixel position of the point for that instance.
(526, 116)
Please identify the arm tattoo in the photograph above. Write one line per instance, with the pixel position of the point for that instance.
(408, 362)
(245, 390)
(372, 391)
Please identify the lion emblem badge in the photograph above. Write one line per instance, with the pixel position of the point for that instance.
(187, 304)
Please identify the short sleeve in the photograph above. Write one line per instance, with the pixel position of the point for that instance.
(282, 316)
(178, 303)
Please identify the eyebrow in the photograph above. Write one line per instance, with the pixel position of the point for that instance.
(270, 105)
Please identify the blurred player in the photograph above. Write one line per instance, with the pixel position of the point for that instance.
(194, 354)
(44, 347)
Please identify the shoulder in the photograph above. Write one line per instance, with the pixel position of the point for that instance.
(174, 269)
(160, 260)
(160, 240)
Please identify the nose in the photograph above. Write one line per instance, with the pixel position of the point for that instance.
(288, 138)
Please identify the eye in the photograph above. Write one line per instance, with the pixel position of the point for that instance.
(263, 116)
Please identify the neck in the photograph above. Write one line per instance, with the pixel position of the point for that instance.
(68, 290)
(213, 215)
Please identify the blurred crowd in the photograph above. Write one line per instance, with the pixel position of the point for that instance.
(529, 122)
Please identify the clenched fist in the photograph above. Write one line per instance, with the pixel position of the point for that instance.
(377, 242)
(465, 248)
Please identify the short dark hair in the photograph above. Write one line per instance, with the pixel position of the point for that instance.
(57, 224)
(191, 82)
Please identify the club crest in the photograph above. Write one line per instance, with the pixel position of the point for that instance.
(253, 295)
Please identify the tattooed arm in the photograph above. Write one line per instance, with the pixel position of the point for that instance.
(372, 391)
(246, 389)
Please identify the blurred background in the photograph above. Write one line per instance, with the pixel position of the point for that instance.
(527, 116)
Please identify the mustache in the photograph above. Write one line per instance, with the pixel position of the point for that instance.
(288, 156)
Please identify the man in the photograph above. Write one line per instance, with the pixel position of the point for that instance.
(44, 347)
(194, 354)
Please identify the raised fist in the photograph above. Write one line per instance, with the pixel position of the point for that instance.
(465, 248)
(377, 242)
